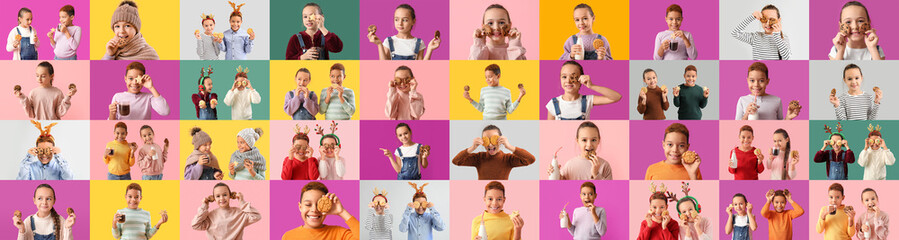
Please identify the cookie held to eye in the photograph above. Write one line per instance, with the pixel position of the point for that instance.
(864, 28)
(324, 204)
(506, 29)
(598, 43)
(487, 30)
(845, 29)
(689, 157)
(416, 204)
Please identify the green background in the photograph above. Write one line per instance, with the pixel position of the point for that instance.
(855, 132)
(341, 18)
(222, 80)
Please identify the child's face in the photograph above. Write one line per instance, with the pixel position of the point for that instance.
(133, 80)
(877, 140)
(569, 78)
(235, 22)
(329, 142)
(44, 199)
(498, 19)
(45, 158)
(587, 196)
(406, 75)
(675, 145)
(587, 139)
(337, 77)
(133, 197)
(124, 30)
(685, 210)
(208, 26)
(241, 79)
(853, 79)
(242, 145)
(421, 207)
(674, 20)
(404, 135)
(302, 79)
(739, 205)
(65, 18)
(690, 78)
(402, 20)
(854, 17)
(657, 207)
(757, 82)
(207, 83)
(312, 218)
(493, 149)
(309, 15)
(491, 78)
(650, 79)
(25, 19)
(870, 200)
(746, 139)
(120, 134)
(43, 76)
(301, 144)
(835, 197)
(378, 208)
(780, 202)
(769, 14)
(222, 196)
(494, 199)
(147, 134)
(205, 147)
(780, 142)
(582, 20)
(836, 141)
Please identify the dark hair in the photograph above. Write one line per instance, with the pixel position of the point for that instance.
(492, 6)
(46, 65)
(221, 184)
(305, 70)
(584, 5)
(678, 128)
(53, 214)
(855, 3)
(852, 66)
(779, 193)
(129, 3)
(407, 6)
(120, 125)
(300, 137)
(134, 186)
(398, 126)
(405, 68)
(758, 66)
(312, 4)
(772, 7)
(836, 187)
(493, 68)
(136, 65)
(787, 151)
(587, 124)
(746, 128)
(492, 127)
(147, 127)
(22, 11)
(240, 75)
(742, 196)
(869, 190)
(690, 68)
(338, 66)
(579, 67)
(659, 196)
(495, 185)
(648, 70)
(674, 8)
(875, 133)
(313, 186)
(589, 185)
(68, 9)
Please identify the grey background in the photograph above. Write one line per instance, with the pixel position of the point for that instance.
(825, 75)
(255, 15)
(399, 194)
(793, 14)
(521, 133)
(71, 136)
(671, 74)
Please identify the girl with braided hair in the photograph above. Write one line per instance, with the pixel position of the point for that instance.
(46, 224)
(43, 161)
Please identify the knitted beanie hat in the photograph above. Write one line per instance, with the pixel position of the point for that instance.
(126, 12)
(250, 135)
(199, 137)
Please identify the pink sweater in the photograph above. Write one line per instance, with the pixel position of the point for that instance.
(149, 165)
(404, 105)
(46, 103)
(511, 51)
(225, 223)
(140, 105)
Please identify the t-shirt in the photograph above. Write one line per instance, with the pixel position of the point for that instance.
(403, 47)
(570, 109)
(855, 53)
(407, 151)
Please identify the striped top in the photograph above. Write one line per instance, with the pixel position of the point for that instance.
(379, 226)
(137, 225)
(495, 103)
(857, 107)
(338, 111)
(764, 47)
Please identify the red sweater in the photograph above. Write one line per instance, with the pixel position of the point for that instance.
(294, 169)
(332, 44)
(748, 165)
(672, 231)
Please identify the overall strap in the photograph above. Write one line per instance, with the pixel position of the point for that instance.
(400, 151)
(556, 106)
(583, 104)
(390, 44)
(417, 46)
(302, 42)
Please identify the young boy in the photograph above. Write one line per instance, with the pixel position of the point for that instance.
(314, 228)
(493, 164)
(420, 216)
(496, 101)
(689, 97)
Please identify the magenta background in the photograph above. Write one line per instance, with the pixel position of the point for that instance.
(700, 19)
(73, 194)
(789, 81)
(824, 16)
(611, 74)
(285, 196)
(45, 15)
(703, 140)
(375, 134)
(192, 193)
(554, 195)
(430, 15)
(755, 193)
(108, 78)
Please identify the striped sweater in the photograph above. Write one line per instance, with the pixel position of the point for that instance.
(379, 226)
(764, 47)
(337, 110)
(857, 107)
(137, 225)
(495, 103)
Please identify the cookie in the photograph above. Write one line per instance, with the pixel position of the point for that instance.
(416, 204)
(210, 198)
(786, 191)
(644, 90)
(591, 154)
(120, 43)
(17, 213)
(214, 101)
(196, 32)
(202, 103)
(848, 208)
(18, 37)
(487, 30)
(250, 31)
(70, 211)
(437, 34)
(757, 151)
(845, 29)
(794, 154)
(833, 92)
(663, 87)
(689, 157)
(218, 35)
(694, 214)
(324, 204)
(121, 218)
(514, 214)
(864, 28)
(334, 85)
(466, 88)
(372, 28)
(71, 86)
(677, 88)
(521, 86)
(876, 89)
(705, 88)
(794, 105)
(506, 29)
(598, 43)
(19, 88)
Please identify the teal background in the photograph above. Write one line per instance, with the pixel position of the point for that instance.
(855, 132)
(222, 79)
(341, 18)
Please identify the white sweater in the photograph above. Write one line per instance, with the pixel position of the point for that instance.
(240, 100)
(875, 163)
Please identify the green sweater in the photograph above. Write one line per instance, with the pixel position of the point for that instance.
(690, 102)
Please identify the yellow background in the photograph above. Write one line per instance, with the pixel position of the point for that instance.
(107, 196)
(557, 25)
(282, 74)
(224, 141)
(512, 72)
(159, 25)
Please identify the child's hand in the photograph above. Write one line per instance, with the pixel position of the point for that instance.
(835, 101)
(839, 41)
(239, 196)
(595, 165)
(467, 96)
(216, 39)
(50, 34)
(676, 91)
(310, 54)
(748, 208)
(203, 160)
(665, 220)
(113, 108)
(576, 49)
(72, 91)
(218, 176)
(778, 27)
(666, 44)
(850, 212)
(112, 46)
(249, 84)
(434, 44)
(865, 228)
(337, 152)
(679, 34)
(769, 195)
(705, 92)
(752, 109)
(147, 81)
(475, 143)
(504, 141)
(693, 169)
(792, 113)
(163, 218)
(413, 84)
(514, 34)
(231, 167)
(115, 218)
(372, 38)
(202, 105)
(133, 146)
(197, 34)
(336, 206)
(32, 151)
(758, 15)
(70, 221)
(17, 221)
(479, 33)
(585, 80)
(252, 35)
(878, 94)
(730, 209)
(649, 220)
(664, 91)
(386, 152)
(871, 39)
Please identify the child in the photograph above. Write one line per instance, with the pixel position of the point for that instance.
(496, 101)
(22, 40)
(66, 37)
(337, 102)
(856, 40)
(133, 223)
(856, 104)
(782, 162)
(836, 220)
(380, 221)
(746, 160)
(657, 224)
(205, 101)
(874, 222)
(150, 161)
(316, 41)
(247, 163)
(404, 102)
(411, 157)
(420, 216)
(875, 157)
(771, 44)
(313, 220)
(128, 43)
(237, 44)
(403, 46)
(780, 221)
(134, 104)
(241, 95)
(743, 223)
(571, 105)
(575, 49)
(46, 102)
(301, 103)
(586, 165)
(497, 25)
(225, 222)
(653, 100)
(119, 154)
(331, 165)
(201, 163)
(208, 44)
(493, 163)
(690, 98)
(589, 220)
(675, 144)
(43, 161)
(666, 47)
(300, 164)
(499, 225)
(46, 219)
(693, 226)
(759, 105)
(837, 159)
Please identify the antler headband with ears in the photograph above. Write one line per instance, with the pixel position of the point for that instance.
(320, 131)
(671, 197)
(418, 189)
(45, 131)
(236, 8)
(871, 128)
(685, 187)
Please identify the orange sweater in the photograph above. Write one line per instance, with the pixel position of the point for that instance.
(326, 232)
(664, 171)
(780, 224)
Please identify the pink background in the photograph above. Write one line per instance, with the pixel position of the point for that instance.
(433, 81)
(45, 15)
(824, 24)
(430, 15)
(700, 19)
(755, 193)
(614, 137)
(282, 132)
(610, 74)
(64, 72)
(70, 194)
(651, 134)
(468, 16)
(704, 191)
(468, 202)
(102, 133)
(853, 191)
(285, 197)
(108, 78)
(382, 134)
(788, 81)
(728, 136)
(557, 193)
(193, 193)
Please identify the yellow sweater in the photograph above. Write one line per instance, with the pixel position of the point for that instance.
(499, 226)
(121, 160)
(835, 227)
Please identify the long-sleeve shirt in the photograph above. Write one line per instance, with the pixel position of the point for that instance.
(418, 226)
(236, 45)
(33, 169)
(240, 102)
(494, 167)
(121, 160)
(656, 104)
(655, 232)
(225, 223)
(764, 47)
(195, 171)
(499, 225)
(293, 103)
(326, 232)
(151, 164)
(206, 97)
(587, 41)
(48, 103)
(140, 105)
(857, 107)
(682, 53)
(380, 226)
(44, 226)
(580, 168)
(404, 105)
(332, 44)
(777, 166)
(207, 49)
(11, 38)
(294, 169)
(664, 171)
(875, 163)
(584, 228)
(835, 227)
(829, 155)
(689, 232)
(510, 51)
(690, 102)
(770, 107)
(137, 225)
(242, 173)
(879, 225)
(748, 164)
(495, 103)
(335, 110)
(331, 168)
(780, 224)
(66, 47)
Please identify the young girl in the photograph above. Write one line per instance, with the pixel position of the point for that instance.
(300, 164)
(201, 163)
(205, 101)
(836, 221)
(746, 160)
(331, 165)
(571, 105)
(856, 40)
(771, 44)
(46, 102)
(743, 223)
(128, 43)
(575, 49)
(301, 103)
(380, 221)
(134, 104)
(782, 159)
(420, 216)
(337, 102)
(490, 39)
(316, 41)
(119, 154)
(496, 101)
(404, 102)
(692, 226)
(657, 224)
(411, 157)
(46, 223)
(225, 222)
(674, 44)
(586, 165)
(241, 96)
(653, 100)
(150, 160)
(837, 159)
(403, 46)
(875, 157)
(690, 98)
(132, 222)
(43, 161)
(237, 44)
(493, 163)
(313, 219)
(674, 167)
(856, 104)
(874, 222)
(589, 220)
(208, 43)
(780, 221)
(66, 37)
(22, 40)
(247, 163)
(499, 225)
(759, 105)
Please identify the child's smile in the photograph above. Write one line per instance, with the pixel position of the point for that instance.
(235, 23)
(650, 79)
(779, 204)
(583, 20)
(494, 199)
(675, 145)
(133, 196)
(310, 14)
(491, 78)
(124, 30)
(208, 26)
(855, 17)
(147, 135)
(757, 82)
(222, 196)
(498, 20)
(690, 78)
(309, 209)
(674, 20)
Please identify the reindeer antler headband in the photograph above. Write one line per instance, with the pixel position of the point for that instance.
(828, 130)
(241, 69)
(418, 190)
(301, 130)
(671, 197)
(382, 193)
(204, 73)
(45, 131)
(236, 8)
(871, 128)
(204, 17)
(685, 187)
(320, 131)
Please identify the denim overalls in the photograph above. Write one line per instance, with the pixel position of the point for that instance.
(410, 166)
(394, 56)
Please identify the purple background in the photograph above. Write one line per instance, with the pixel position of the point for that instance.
(430, 15)
(377, 134)
(554, 195)
(108, 78)
(700, 19)
(650, 135)
(611, 74)
(755, 193)
(285, 196)
(789, 81)
(824, 18)
(71, 194)
(45, 15)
